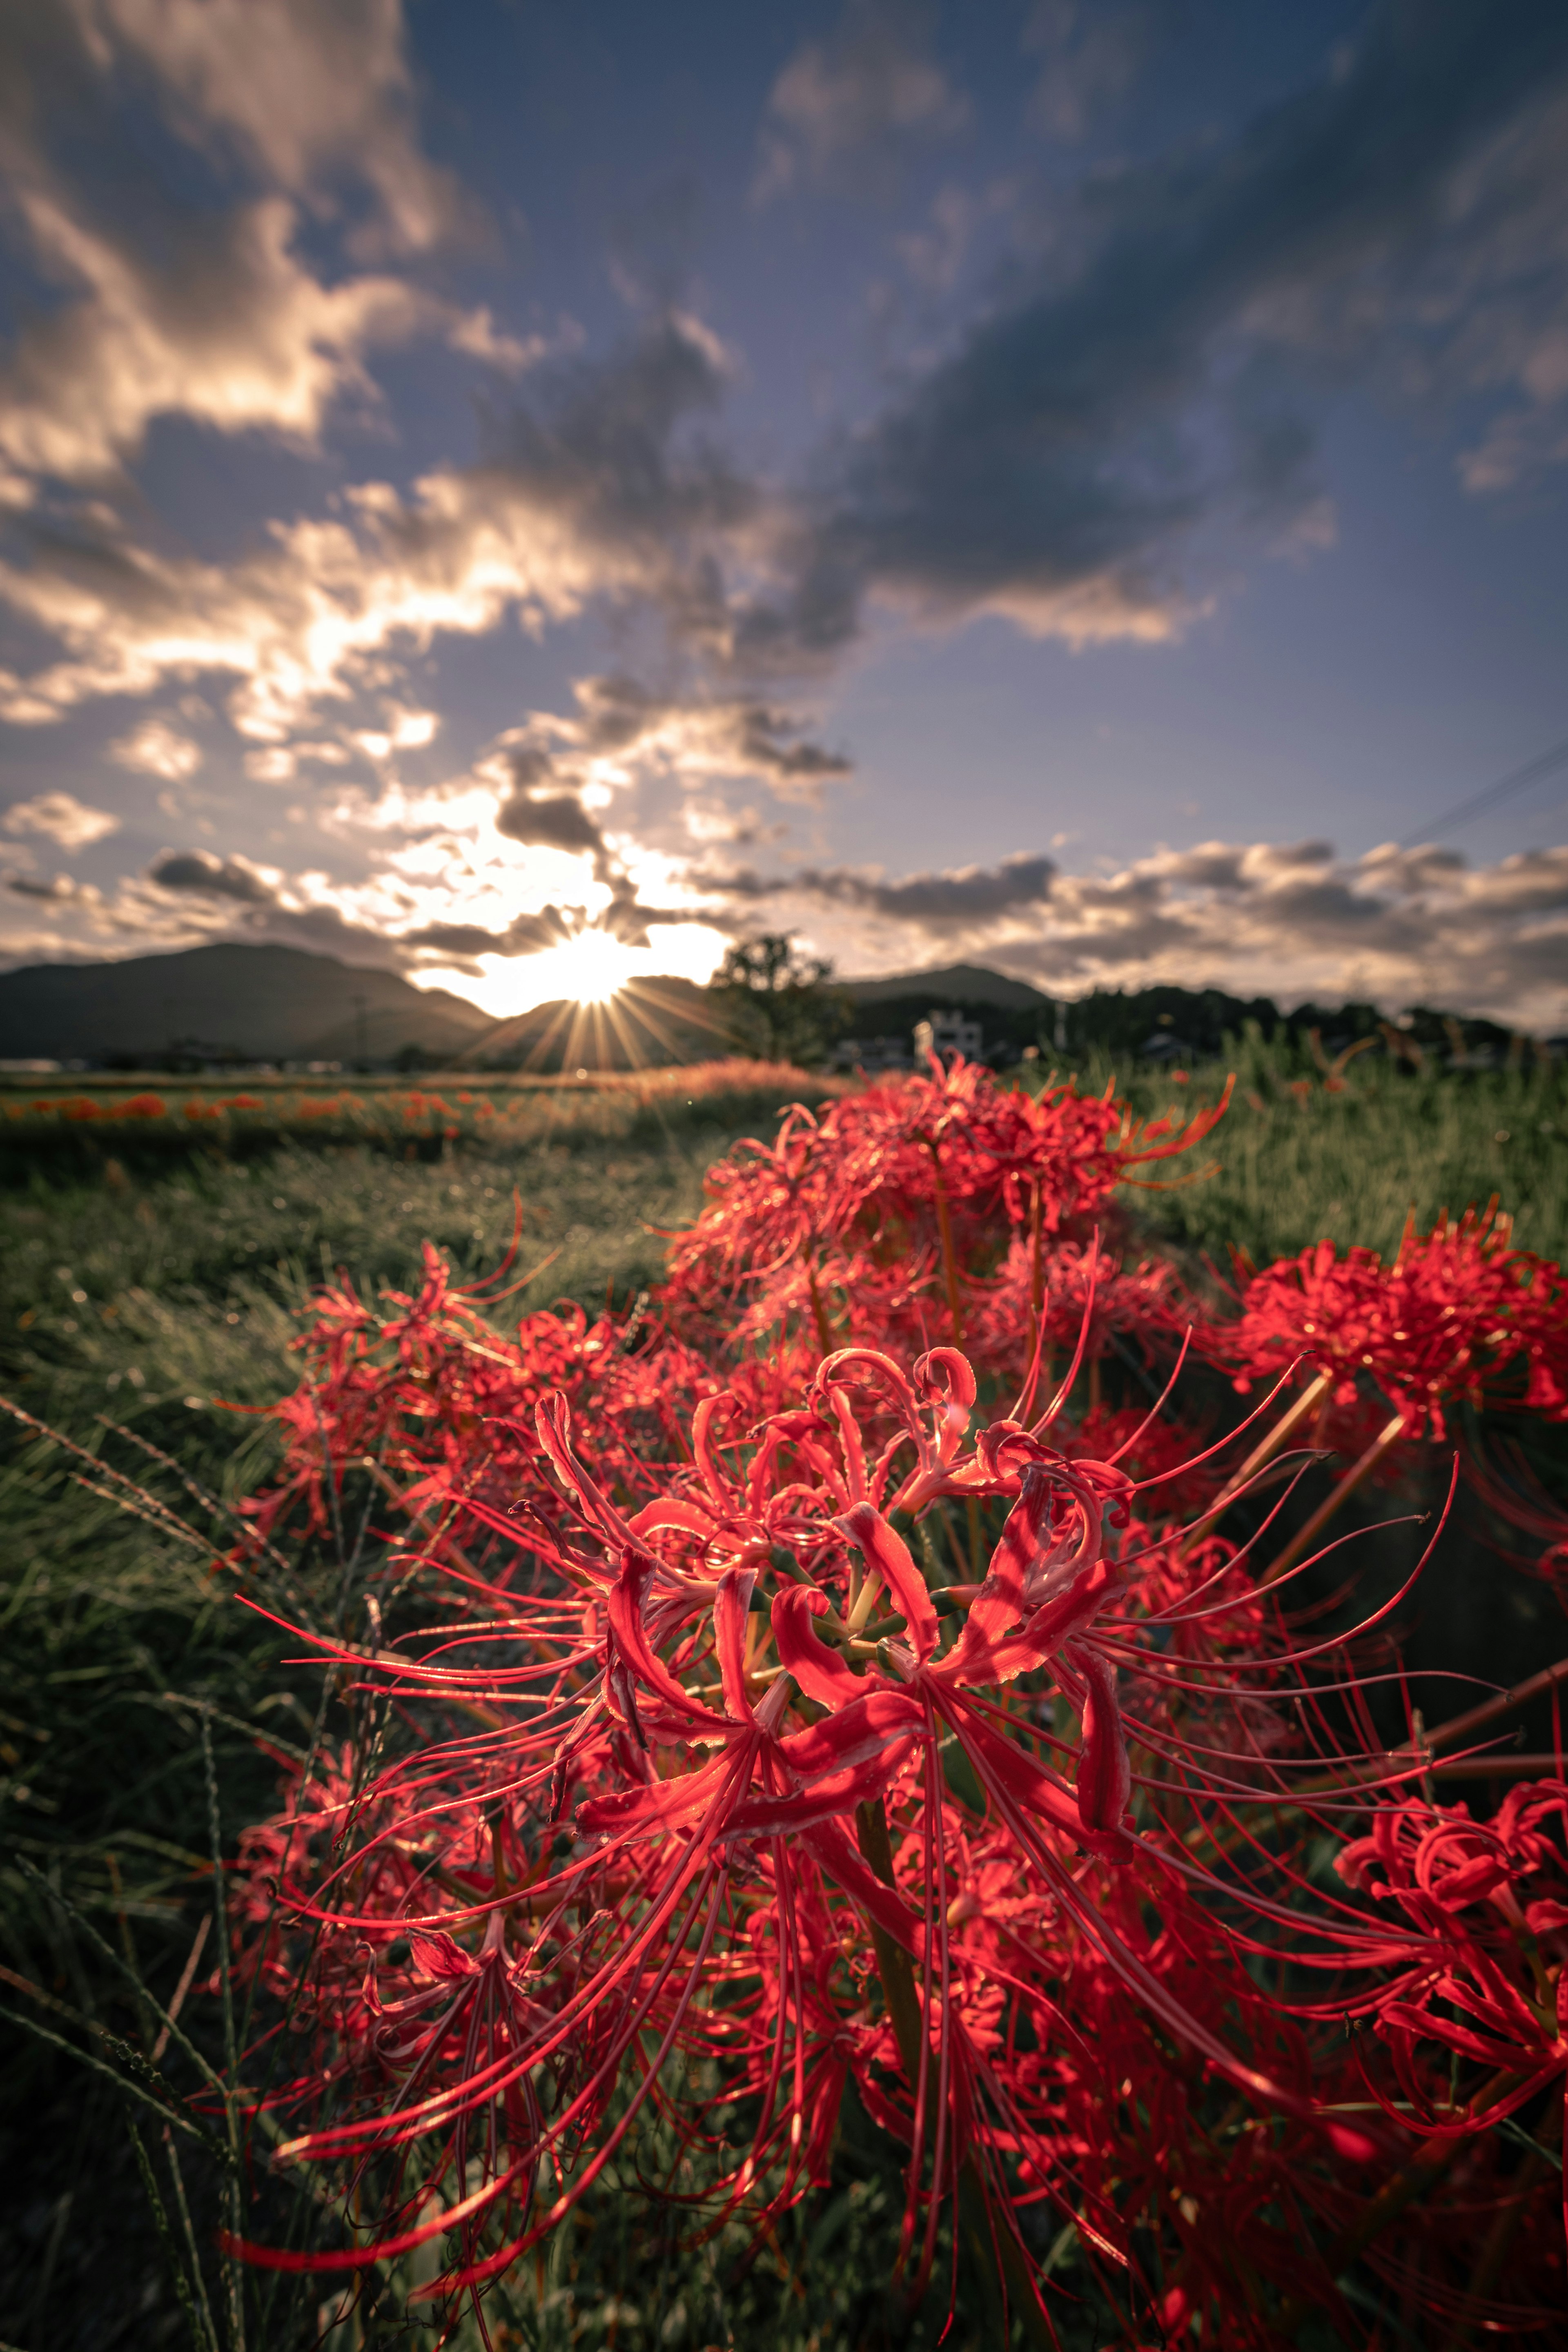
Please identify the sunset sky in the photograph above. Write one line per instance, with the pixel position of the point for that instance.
(524, 492)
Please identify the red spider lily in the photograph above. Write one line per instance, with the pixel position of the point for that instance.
(919, 1178)
(1460, 1317)
(748, 1686)
(1471, 2007)
(413, 1388)
(1491, 1900)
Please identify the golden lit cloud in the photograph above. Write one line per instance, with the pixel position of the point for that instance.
(156, 748)
(62, 819)
(232, 333)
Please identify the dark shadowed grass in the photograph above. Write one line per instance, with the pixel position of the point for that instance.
(142, 1290)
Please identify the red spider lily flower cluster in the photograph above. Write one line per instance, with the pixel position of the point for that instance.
(1460, 1317)
(439, 1404)
(872, 1220)
(773, 1724)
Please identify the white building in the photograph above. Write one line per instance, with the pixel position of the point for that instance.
(949, 1034)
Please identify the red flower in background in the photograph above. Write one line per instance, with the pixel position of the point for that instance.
(873, 1219)
(1460, 1317)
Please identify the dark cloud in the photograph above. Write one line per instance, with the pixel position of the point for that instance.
(1057, 468)
(524, 935)
(605, 450)
(625, 918)
(214, 878)
(937, 902)
(550, 820)
(761, 734)
(691, 736)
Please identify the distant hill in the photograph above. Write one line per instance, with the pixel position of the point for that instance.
(250, 1003)
(241, 1003)
(948, 984)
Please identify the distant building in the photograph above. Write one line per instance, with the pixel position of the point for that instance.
(872, 1054)
(1164, 1045)
(949, 1034)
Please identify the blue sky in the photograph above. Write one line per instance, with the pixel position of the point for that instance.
(524, 494)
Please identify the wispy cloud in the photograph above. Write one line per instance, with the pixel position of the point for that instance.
(1079, 462)
(62, 819)
(845, 106)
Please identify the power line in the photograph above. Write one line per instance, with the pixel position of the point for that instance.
(1542, 766)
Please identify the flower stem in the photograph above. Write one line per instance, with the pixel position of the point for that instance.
(1422, 2173)
(1267, 1446)
(1460, 1726)
(949, 1259)
(1306, 1537)
(992, 2239)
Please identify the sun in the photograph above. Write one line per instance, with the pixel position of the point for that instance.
(593, 967)
(587, 970)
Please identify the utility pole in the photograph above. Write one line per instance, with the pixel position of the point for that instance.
(362, 1050)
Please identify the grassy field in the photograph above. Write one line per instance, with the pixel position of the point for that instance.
(1297, 1156)
(151, 1264)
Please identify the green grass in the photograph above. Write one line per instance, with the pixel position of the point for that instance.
(1294, 1162)
(140, 1280)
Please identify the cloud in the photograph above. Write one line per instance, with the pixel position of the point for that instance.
(156, 748)
(1093, 50)
(176, 307)
(311, 98)
(1082, 461)
(213, 878)
(968, 898)
(1287, 919)
(229, 330)
(596, 489)
(1075, 463)
(843, 107)
(441, 899)
(552, 820)
(57, 888)
(62, 818)
(524, 935)
(623, 732)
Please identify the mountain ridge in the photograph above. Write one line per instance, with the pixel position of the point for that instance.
(253, 1002)
(952, 983)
